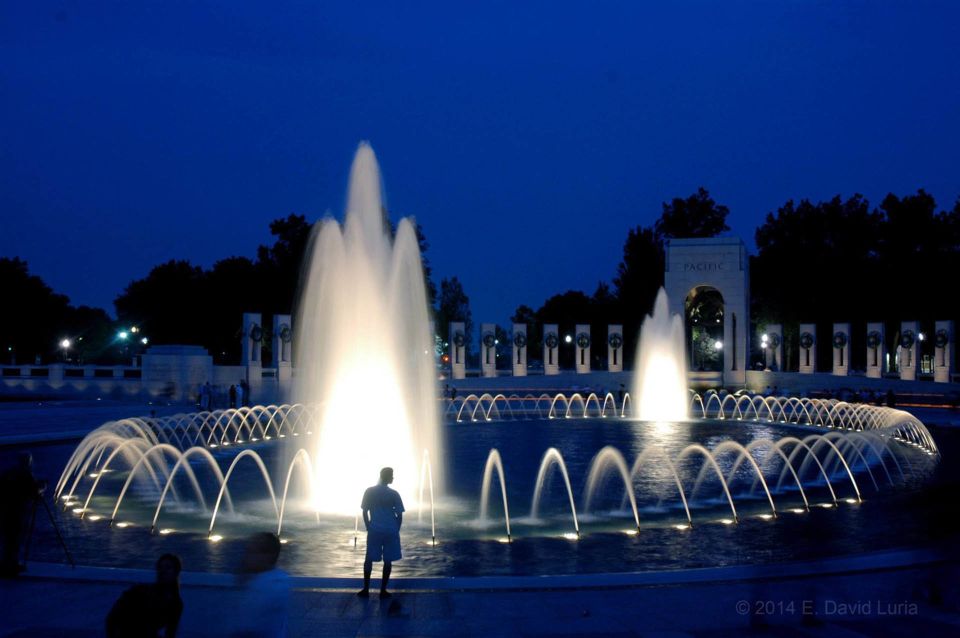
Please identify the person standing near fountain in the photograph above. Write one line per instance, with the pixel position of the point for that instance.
(382, 515)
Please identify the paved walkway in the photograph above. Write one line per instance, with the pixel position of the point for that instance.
(895, 591)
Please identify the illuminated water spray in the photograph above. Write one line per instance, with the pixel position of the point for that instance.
(660, 377)
(364, 351)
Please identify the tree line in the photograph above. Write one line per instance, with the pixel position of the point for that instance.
(835, 260)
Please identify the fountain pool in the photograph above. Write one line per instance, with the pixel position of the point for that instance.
(771, 480)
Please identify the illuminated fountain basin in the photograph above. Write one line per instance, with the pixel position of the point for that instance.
(695, 487)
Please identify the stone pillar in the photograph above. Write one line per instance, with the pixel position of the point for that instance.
(283, 349)
(943, 352)
(808, 348)
(488, 349)
(909, 350)
(875, 349)
(771, 342)
(252, 340)
(615, 348)
(551, 349)
(841, 349)
(519, 352)
(582, 341)
(458, 350)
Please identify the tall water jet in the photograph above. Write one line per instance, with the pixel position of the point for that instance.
(660, 374)
(364, 352)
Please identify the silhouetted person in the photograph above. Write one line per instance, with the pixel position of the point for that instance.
(233, 396)
(19, 492)
(147, 609)
(891, 399)
(244, 393)
(264, 606)
(621, 393)
(382, 515)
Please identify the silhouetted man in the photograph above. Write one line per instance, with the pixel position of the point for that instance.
(19, 490)
(382, 515)
(147, 609)
(233, 396)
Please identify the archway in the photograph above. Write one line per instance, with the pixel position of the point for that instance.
(703, 324)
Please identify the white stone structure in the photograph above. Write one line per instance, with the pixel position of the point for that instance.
(722, 264)
(841, 349)
(283, 347)
(808, 348)
(615, 348)
(771, 342)
(176, 372)
(909, 350)
(518, 353)
(943, 351)
(581, 341)
(551, 349)
(875, 349)
(458, 350)
(488, 349)
(250, 351)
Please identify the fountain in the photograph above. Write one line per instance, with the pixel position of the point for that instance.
(364, 333)
(366, 398)
(660, 380)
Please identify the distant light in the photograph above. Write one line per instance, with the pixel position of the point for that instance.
(503, 539)
(496, 342)
(284, 541)
(63, 344)
(718, 345)
(216, 538)
(763, 346)
(134, 329)
(122, 334)
(144, 341)
(726, 521)
(852, 501)
(94, 517)
(123, 524)
(570, 536)
(826, 505)
(630, 532)
(766, 517)
(798, 510)
(681, 527)
(568, 339)
(764, 337)
(166, 530)
(921, 336)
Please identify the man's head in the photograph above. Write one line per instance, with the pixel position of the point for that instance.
(263, 550)
(168, 569)
(386, 475)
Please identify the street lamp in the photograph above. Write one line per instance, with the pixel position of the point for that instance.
(568, 339)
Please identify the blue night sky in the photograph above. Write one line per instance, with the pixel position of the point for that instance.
(527, 138)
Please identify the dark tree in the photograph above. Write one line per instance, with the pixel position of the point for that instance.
(639, 277)
(36, 319)
(279, 265)
(172, 304)
(454, 305)
(695, 216)
(427, 269)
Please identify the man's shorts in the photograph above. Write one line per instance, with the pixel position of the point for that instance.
(383, 546)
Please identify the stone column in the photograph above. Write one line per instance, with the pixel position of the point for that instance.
(943, 352)
(841, 349)
(615, 348)
(582, 341)
(808, 348)
(771, 342)
(909, 350)
(488, 349)
(283, 350)
(518, 353)
(875, 349)
(252, 340)
(458, 350)
(551, 349)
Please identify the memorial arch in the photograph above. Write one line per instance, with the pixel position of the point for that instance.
(708, 280)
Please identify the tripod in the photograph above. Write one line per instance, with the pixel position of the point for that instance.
(53, 523)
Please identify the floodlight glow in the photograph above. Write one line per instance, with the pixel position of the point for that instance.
(65, 344)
